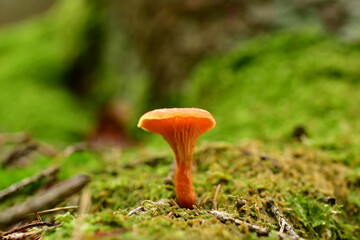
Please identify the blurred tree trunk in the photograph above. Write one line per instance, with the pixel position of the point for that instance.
(172, 36)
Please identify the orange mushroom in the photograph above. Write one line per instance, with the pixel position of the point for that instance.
(181, 128)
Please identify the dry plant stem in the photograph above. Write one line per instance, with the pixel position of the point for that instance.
(32, 235)
(283, 224)
(215, 196)
(136, 210)
(56, 209)
(173, 203)
(26, 226)
(223, 217)
(27, 181)
(257, 212)
(84, 206)
(39, 202)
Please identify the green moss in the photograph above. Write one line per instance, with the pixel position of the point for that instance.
(76, 163)
(304, 177)
(316, 217)
(65, 232)
(267, 87)
(35, 57)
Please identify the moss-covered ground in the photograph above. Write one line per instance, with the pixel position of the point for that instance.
(317, 195)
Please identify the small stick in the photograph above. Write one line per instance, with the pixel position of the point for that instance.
(136, 210)
(26, 226)
(56, 209)
(196, 212)
(27, 181)
(42, 201)
(23, 235)
(215, 196)
(223, 217)
(38, 217)
(173, 203)
(84, 206)
(283, 224)
(257, 212)
(18, 153)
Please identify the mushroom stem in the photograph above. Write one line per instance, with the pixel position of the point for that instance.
(185, 193)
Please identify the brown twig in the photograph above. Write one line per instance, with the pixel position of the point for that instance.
(215, 196)
(46, 200)
(260, 231)
(196, 213)
(19, 153)
(27, 181)
(32, 235)
(283, 224)
(26, 226)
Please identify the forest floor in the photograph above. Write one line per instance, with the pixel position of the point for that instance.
(244, 191)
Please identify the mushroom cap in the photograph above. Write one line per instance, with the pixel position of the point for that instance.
(163, 121)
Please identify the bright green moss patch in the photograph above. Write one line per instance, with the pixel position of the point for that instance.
(35, 59)
(267, 87)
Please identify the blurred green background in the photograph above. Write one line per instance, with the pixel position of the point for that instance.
(75, 70)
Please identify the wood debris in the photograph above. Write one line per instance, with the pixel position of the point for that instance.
(283, 223)
(39, 202)
(224, 217)
(51, 172)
